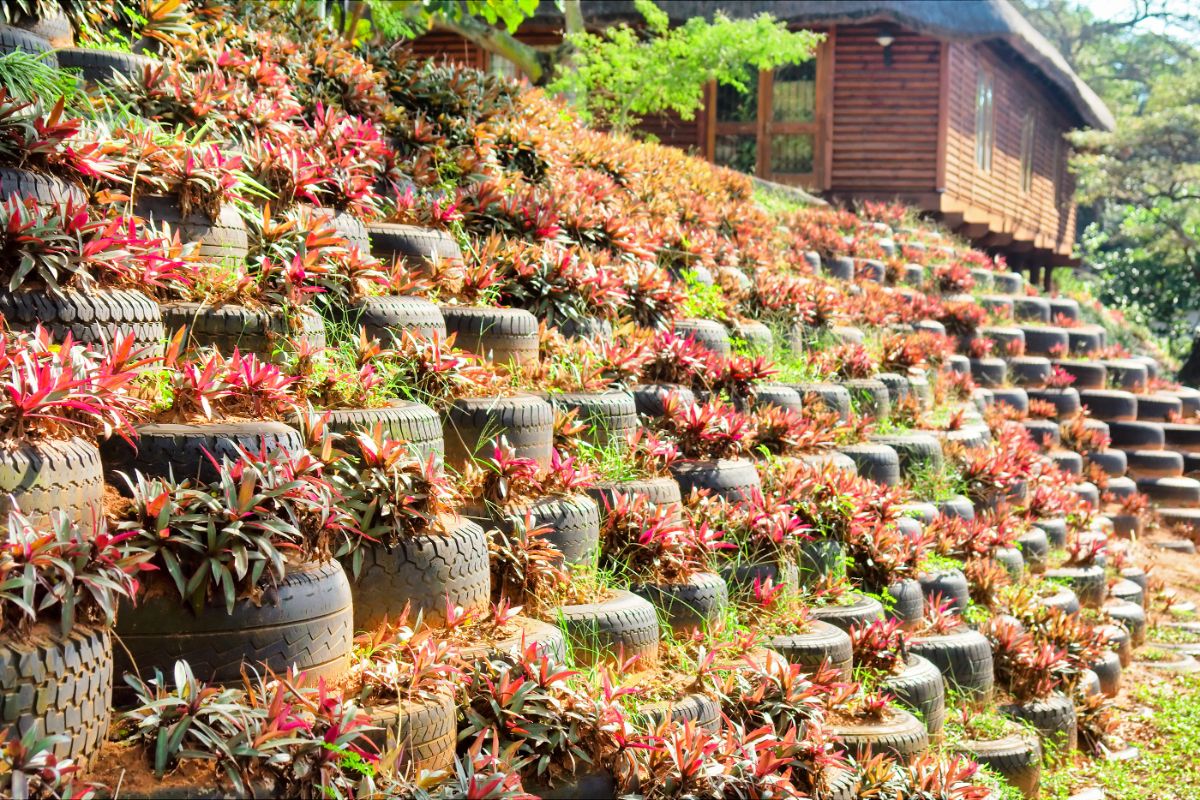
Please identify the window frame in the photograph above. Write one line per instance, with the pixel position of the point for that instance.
(985, 120)
(1029, 127)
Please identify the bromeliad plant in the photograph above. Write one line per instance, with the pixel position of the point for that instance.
(705, 431)
(1026, 669)
(206, 386)
(649, 543)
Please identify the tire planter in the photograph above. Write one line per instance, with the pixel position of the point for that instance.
(594, 783)
(897, 385)
(901, 735)
(1132, 617)
(863, 611)
(1120, 642)
(418, 247)
(1159, 407)
(216, 239)
(1179, 492)
(915, 451)
(1065, 401)
(305, 621)
(184, 451)
(259, 331)
(1029, 371)
(1047, 341)
(1015, 398)
(1031, 309)
(419, 426)
(502, 335)
(989, 372)
(389, 317)
(61, 684)
(1088, 375)
(1065, 307)
(1154, 464)
(879, 462)
(817, 644)
(95, 318)
(591, 329)
(919, 688)
(834, 397)
(870, 397)
(1085, 340)
(1113, 462)
(1063, 599)
(1110, 404)
(472, 426)
(548, 639)
(1068, 461)
(1053, 718)
(1108, 670)
(648, 398)
(740, 575)
(699, 709)
(708, 334)
(99, 66)
(1035, 549)
(690, 605)
(773, 394)
(951, 584)
(956, 506)
(620, 627)
(424, 572)
(733, 479)
(48, 475)
(1055, 529)
(907, 602)
(424, 731)
(657, 491)
(574, 523)
(1016, 758)
(756, 335)
(1182, 437)
(609, 416)
(1008, 282)
(820, 558)
(1127, 373)
(1011, 559)
(45, 190)
(964, 658)
(1088, 583)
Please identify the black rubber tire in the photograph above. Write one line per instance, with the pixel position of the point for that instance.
(1110, 404)
(1016, 758)
(870, 397)
(422, 571)
(1127, 373)
(832, 396)
(54, 28)
(919, 385)
(1055, 529)
(964, 658)
(1088, 583)
(657, 491)
(413, 423)
(14, 40)
(1158, 407)
(687, 606)
(707, 333)
(1190, 398)
(734, 479)
(1120, 642)
(1066, 401)
(1012, 560)
(1065, 307)
(951, 584)
(1031, 309)
(1088, 374)
(959, 364)
(1131, 616)
(472, 425)
(1153, 463)
(830, 460)
(1136, 575)
(419, 247)
(609, 416)
(549, 640)
(219, 239)
(1181, 436)
(1108, 670)
(1113, 462)
(699, 709)
(592, 783)
(388, 318)
(1015, 397)
(1068, 461)
(1174, 492)
(903, 736)
(862, 612)
(1045, 432)
(1008, 282)
(1086, 340)
(1046, 341)
(920, 689)
(840, 267)
(775, 394)
(98, 66)
(423, 730)
(870, 269)
(989, 372)
(897, 385)
(878, 462)
(916, 451)
(621, 627)
(502, 335)
(1053, 718)
(574, 523)
(45, 190)
(818, 559)
(1191, 464)
(61, 684)
(907, 602)
(1004, 336)
(306, 621)
(740, 575)
(1029, 371)
(1089, 493)
(99, 317)
(346, 224)
(956, 506)
(1064, 600)
(998, 306)
(590, 329)
(259, 331)
(818, 644)
(165, 449)
(1035, 549)
(648, 397)
(757, 336)
(42, 476)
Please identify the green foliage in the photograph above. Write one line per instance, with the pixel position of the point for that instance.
(622, 75)
(702, 300)
(30, 79)
(413, 19)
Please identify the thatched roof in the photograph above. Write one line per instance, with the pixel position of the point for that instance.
(958, 20)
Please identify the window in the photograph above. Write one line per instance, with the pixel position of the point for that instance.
(1028, 138)
(985, 122)
(502, 66)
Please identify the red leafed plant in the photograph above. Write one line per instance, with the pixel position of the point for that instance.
(652, 543)
(1025, 669)
(1059, 378)
(706, 431)
(211, 386)
(880, 646)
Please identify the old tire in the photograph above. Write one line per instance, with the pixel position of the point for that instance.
(1016, 758)
(45, 190)
(502, 335)
(662, 491)
(1088, 583)
(689, 605)
(920, 689)
(710, 335)
(52, 475)
(915, 451)
(819, 643)
(734, 479)
(620, 627)
(964, 658)
(419, 247)
(950, 584)
(424, 731)
(870, 397)
(649, 398)
(99, 66)
(1053, 718)
(222, 238)
(417, 425)
(860, 613)
(609, 416)
(94, 318)
(388, 318)
(472, 426)
(1110, 404)
(903, 736)
(879, 462)
(907, 602)
(424, 572)
(259, 331)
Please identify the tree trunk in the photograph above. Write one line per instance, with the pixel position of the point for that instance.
(533, 63)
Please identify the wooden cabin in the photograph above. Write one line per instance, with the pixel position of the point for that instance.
(958, 108)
